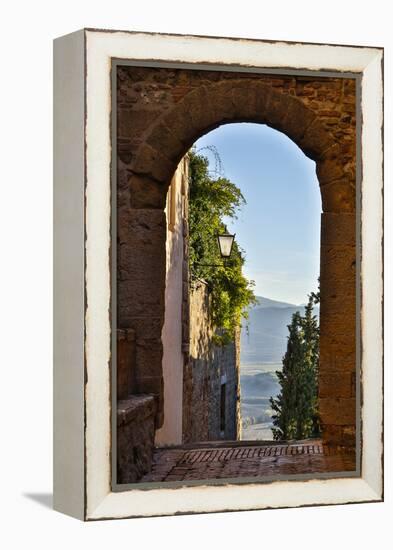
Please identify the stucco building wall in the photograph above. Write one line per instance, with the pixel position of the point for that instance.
(172, 361)
(200, 380)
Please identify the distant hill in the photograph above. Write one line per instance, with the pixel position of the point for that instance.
(258, 385)
(267, 302)
(264, 334)
(263, 344)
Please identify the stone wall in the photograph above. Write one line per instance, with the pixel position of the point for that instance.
(212, 378)
(135, 437)
(160, 114)
(135, 415)
(126, 367)
(226, 361)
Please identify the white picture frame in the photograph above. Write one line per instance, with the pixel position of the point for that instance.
(82, 180)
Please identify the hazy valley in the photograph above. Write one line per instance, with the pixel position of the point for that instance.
(263, 344)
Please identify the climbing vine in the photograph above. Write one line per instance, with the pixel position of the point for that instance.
(213, 198)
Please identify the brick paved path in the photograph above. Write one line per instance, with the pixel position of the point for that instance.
(250, 460)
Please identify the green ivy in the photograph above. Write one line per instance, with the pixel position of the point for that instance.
(211, 199)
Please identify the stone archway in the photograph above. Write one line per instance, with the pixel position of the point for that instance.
(161, 113)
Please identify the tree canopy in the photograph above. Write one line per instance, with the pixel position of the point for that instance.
(211, 200)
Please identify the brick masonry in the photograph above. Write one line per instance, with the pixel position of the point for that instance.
(160, 114)
(217, 462)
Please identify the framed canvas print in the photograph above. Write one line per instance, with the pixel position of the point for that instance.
(218, 274)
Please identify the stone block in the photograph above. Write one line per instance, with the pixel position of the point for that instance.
(146, 192)
(315, 140)
(332, 435)
(338, 270)
(349, 106)
(330, 168)
(146, 327)
(135, 407)
(276, 110)
(337, 410)
(131, 122)
(297, 119)
(339, 436)
(338, 229)
(148, 358)
(135, 299)
(353, 384)
(338, 306)
(153, 163)
(138, 263)
(337, 354)
(339, 196)
(178, 92)
(246, 97)
(335, 384)
(125, 151)
(151, 384)
(338, 324)
(141, 254)
(329, 113)
(349, 86)
(348, 435)
(222, 102)
(135, 437)
(126, 366)
(144, 226)
(165, 140)
(192, 117)
(179, 125)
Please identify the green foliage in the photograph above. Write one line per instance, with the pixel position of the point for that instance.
(296, 412)
(212, 199)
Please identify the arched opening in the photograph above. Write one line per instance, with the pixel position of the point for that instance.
(278, 230)
(161, 113)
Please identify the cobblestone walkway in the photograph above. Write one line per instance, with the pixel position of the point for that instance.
(258, 460)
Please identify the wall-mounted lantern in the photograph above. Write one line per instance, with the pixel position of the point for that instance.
(225, 243)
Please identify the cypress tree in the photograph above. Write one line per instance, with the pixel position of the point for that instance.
(295, 408)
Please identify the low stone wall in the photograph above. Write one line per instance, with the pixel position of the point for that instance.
(135, 437)
(211, 400)
(135, 415)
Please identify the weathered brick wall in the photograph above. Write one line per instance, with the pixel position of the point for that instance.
(161, 112)
(208, 367)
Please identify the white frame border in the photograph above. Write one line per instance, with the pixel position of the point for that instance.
(100, 48)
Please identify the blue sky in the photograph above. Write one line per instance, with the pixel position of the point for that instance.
(279, 227)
